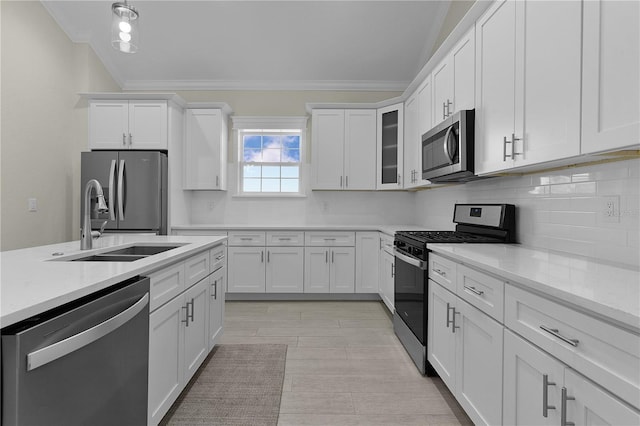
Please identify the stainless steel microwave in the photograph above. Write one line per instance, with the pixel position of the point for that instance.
(447, 149)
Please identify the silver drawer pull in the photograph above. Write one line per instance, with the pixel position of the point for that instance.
(439, 272)
(220, 257)
(474, 290)
(563, 407)
(545, 396)
(246, 239)
(284, 239)
(554, 332)
(329, 239)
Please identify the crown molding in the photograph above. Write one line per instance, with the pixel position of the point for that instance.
(320, 85)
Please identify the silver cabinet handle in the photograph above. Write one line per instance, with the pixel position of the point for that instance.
(513, 147)
(454, 327)
(326, 257)
(448, 309)
(393, 270)
(262, 256)
(192, 309)
(220, 257)
(474, 290)
(124, 140)
(284, 239)
(186, 314)
(449, 103)
(545, 395)
(246, 239)
(268, 256)
(121, 191)
(64, 347)
(329, 239)
(346, 181)
(556, 333)
(332, 257)
(112, 190)
(399, 179)
(130, 139)
(440, 272)
(340, 181)
(217, 181)
(215, 289)
(563, 408)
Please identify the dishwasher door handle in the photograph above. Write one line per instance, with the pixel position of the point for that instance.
(64, 347)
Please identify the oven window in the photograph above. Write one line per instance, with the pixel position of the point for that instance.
(410, 297)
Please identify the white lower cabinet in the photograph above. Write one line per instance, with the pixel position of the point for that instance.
(246, 270)
(217, 285)
(166, 354)
(540, 390)
(367, 246)
(285, 269)
(329, 269)
(387, 272)
(465, 348)
(182, 331)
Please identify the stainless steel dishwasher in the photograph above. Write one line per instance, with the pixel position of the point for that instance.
(85, 363)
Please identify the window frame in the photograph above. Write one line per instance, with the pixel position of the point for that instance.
(265, 125)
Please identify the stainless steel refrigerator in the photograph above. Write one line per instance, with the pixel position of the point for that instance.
(135, 189)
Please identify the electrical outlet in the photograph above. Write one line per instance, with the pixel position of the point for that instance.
(33, 204)
(611, 209)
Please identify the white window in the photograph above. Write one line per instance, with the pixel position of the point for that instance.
(270, 157)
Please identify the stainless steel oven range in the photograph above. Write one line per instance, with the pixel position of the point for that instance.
(475, 223)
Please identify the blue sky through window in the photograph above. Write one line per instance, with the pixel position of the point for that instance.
(271, 162)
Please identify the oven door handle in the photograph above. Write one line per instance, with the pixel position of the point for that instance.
(421, 264)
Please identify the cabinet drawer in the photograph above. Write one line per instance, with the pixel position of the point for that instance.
(166, 284)
(601, 351)
(196, 268)
(199, 232)
(481, 290)
(442, 271)
(328, 239)
(246, 238)
(285, 238)
(217, 257)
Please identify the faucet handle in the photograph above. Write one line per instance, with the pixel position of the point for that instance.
(97, 234)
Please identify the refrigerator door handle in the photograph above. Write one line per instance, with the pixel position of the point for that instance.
(112, 189)
(121, 190)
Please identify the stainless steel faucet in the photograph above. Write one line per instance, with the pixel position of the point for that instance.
(86, 238)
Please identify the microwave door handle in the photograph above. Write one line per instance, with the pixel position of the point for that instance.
(446, 144)
(112, 189)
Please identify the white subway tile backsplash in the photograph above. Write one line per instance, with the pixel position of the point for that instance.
(561, 210)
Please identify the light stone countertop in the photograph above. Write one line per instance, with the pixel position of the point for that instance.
(32, 282)
(606, 290)
(387, 229)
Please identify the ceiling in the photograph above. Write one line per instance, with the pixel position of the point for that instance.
(245, 45)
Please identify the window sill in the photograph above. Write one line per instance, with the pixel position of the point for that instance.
(269, 195)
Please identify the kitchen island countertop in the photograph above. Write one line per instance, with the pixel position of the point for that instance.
(34, 280)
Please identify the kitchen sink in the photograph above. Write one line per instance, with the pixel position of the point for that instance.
(109, 258)
(141, 250)
(125, 254)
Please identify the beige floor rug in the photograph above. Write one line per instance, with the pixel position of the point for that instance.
(236, 385)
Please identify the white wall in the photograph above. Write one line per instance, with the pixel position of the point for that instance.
(561, 210)
(317, 208)
(43, 124)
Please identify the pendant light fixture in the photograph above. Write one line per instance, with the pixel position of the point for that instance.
(124, 27)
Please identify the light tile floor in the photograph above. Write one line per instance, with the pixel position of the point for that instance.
(345, 366)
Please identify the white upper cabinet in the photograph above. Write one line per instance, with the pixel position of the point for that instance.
(344, 149)
(610, 76)
(205, 149)
(390, 140)
(412, 161)
(454, 80)
(128, 124)
(527, 110)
